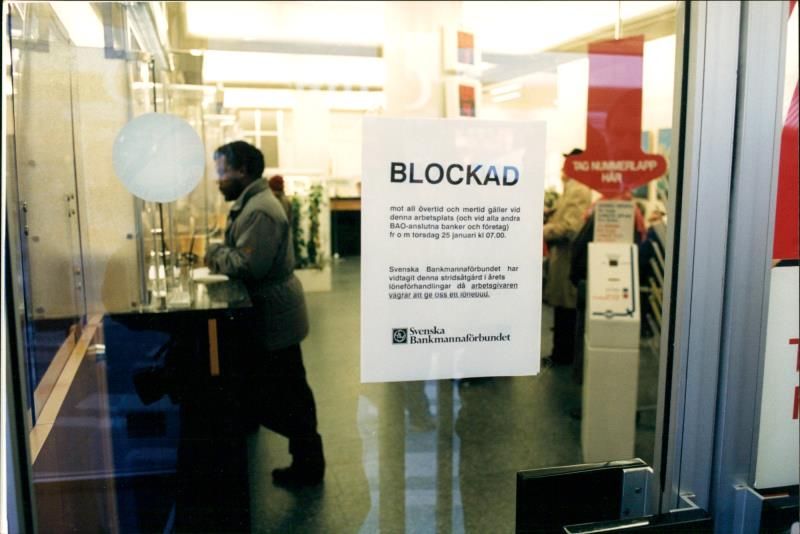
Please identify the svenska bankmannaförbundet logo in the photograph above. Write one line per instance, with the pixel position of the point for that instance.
(399, 335)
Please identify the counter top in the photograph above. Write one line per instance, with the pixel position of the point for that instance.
(209, 299)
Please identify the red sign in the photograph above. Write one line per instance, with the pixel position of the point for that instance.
(613, 162)
(786, 245)
(787, 210)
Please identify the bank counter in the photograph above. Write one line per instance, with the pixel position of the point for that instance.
(187, 415)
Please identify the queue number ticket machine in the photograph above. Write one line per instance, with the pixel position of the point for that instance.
(611, 352)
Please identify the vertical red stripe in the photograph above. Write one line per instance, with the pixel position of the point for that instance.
(796, 412)
(786, 245)
(796, 341)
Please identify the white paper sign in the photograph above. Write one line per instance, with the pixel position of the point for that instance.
(777, 460)
(451, 248)
(613, 221)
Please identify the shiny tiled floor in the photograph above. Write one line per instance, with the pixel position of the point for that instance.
(395, 466)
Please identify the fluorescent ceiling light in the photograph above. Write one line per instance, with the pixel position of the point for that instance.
(507, 88)
(81, 22)
(293, 69)
(506, 97)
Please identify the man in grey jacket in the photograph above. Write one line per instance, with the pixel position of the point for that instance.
(258, 251)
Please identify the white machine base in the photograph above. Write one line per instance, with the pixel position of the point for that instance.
(610, 385)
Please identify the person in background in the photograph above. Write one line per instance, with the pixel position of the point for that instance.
(563, 225)
(657, 215)
(276, 186)
(655, 240)
(258, 251)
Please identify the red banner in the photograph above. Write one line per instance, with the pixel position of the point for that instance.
(613, 162)
(787, 210)
(786, 245)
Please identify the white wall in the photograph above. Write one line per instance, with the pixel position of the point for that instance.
(345, 144)
(659, 75)
(413, 54)
(307, 133)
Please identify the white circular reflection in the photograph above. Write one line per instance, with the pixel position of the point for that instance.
(159, 157)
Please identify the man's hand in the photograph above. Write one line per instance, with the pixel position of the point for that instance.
(213, 246)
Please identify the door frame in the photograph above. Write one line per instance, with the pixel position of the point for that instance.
(716, 285)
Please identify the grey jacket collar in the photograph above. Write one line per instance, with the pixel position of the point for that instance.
(250, 191)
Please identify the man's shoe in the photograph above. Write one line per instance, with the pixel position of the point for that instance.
(298, 477)
(308, 464)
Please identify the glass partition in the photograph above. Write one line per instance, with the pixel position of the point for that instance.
(45, 183)
(297, 80)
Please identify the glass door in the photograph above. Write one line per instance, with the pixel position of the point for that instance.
(408, 456)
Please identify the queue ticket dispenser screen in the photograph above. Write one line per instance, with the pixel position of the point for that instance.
(612, 296)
